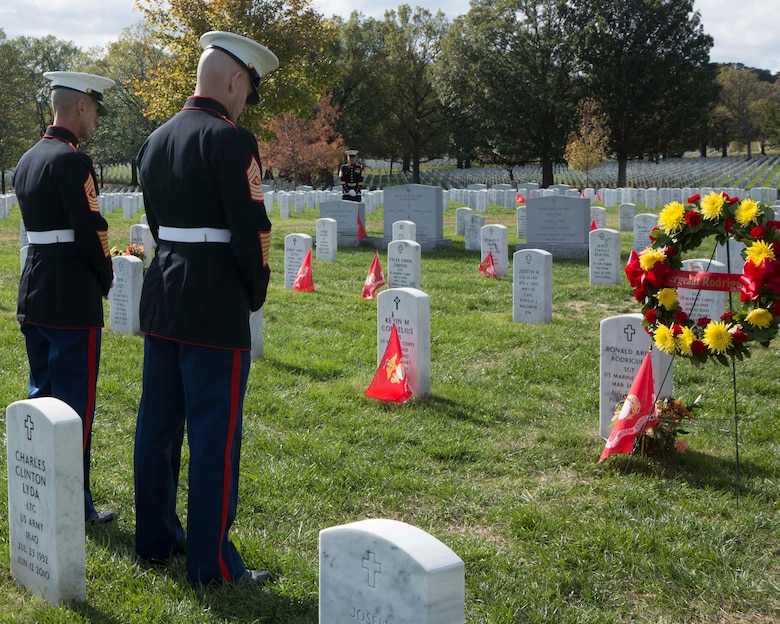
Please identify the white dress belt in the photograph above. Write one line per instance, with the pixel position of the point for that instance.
(193, 235)
(51, 236)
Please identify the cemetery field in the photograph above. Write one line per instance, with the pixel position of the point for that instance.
(500, 462)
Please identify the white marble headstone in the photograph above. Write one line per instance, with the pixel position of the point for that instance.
(410, 309)
(624, 344)
(473, 232)
(141, 235)
(604, 261)
(23, 257)
(125, 295)
(46, 499)
(296, 246)
(532, 286)
(462, 216)
(494, 240)
(327, 239)
(256, 333)
(404, 230)
(643, 225)
(404, 260)
(387, 572)
(702, 303)
(626, 213)
(599, 215)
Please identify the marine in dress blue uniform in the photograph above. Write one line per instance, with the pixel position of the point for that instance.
(202, 184)
(351, 177)
(68, 268)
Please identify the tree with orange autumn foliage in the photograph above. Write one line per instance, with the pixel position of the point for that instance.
(588, 144)
(305, 151)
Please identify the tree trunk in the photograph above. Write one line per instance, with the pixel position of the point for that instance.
(622, 169)
(547, 171)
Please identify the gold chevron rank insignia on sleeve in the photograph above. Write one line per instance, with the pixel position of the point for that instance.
(91, 192)
(103, 236)
(254, 179)
(265, 243)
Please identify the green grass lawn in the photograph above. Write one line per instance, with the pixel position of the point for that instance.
(499, 462)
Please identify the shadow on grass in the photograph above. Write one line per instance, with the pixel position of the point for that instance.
(702, 471)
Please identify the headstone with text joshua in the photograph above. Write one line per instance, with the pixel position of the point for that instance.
(410, 310)
(46, 499)
(381, 571)
(532, 286)
(624, 344)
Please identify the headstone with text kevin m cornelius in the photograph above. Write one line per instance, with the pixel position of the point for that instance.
(46, 499)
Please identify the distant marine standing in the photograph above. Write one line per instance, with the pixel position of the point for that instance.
(351, 177)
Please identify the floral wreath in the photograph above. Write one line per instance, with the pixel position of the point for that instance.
(683, 228)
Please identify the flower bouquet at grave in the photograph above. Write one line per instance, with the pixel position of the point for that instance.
(655, 274)
(130, 250)
(671, 415)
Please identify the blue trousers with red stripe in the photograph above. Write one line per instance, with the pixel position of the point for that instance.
(64, 364)
(203, 389)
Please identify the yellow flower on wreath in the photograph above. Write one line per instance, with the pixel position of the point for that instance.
(717, 337)
(664, 339)
(747, 212)
(760, 317)
(667, 297)
(685, 340)
(759, 251)
(649, 258)
(712, 206)
(672, 217)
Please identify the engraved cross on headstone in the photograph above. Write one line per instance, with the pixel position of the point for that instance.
(629, 331)
(373, 567)
(29, 425)
(396, 301)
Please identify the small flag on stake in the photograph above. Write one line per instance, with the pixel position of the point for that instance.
(304, 281)
(519, 199)
(593, 225)
(486, 267)
(361, 231)
(637, 413)
(374, 280)
(389, 383)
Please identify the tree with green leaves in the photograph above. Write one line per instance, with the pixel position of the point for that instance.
(17, 98)
(744, 98)
(128, 61)
(647, 62)
(291, 29)
(589, 142)
(520, 89)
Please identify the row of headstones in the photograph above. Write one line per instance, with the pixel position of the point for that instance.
(378, 570)
(7, 202)
(130, 203)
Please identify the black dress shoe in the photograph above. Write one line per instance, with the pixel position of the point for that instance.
(255, 577)
(100, 517)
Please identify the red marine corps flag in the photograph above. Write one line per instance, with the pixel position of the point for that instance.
(637, 413)
(389, 383)
(374, 280)
(304, 281)
(486, 267)
(361, 231)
